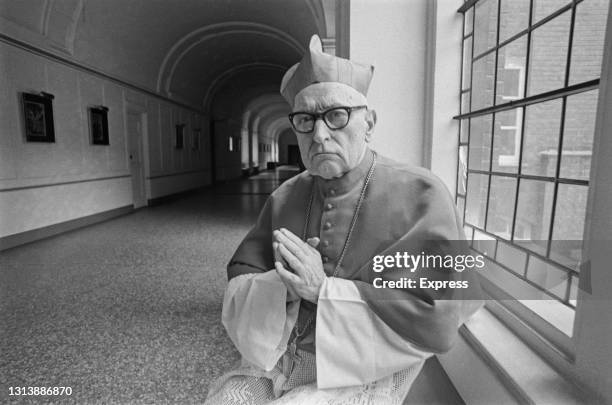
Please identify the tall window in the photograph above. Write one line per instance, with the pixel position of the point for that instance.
(529, 92)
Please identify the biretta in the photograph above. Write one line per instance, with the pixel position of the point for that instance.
(319, 67)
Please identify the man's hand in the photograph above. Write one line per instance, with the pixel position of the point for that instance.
(305, 261)
(291, 294)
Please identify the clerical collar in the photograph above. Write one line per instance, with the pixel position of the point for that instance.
(349, 180)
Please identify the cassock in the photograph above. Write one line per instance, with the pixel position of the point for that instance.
(357, 333)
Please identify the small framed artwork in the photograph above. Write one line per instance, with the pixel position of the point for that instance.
(180, 135)
(38, 117)
(98, 125)
(195, 145)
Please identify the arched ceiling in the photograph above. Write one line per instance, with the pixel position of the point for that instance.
(147, 31)
(180, 49)
(231, 98)
(251, 44)
(265, 109)
(274, 127)
(266, 102)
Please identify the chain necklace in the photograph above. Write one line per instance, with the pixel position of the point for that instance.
(299, 333)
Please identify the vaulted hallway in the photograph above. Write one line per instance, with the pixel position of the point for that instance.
(139, 140)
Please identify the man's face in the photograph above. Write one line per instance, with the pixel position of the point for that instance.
(331, 153)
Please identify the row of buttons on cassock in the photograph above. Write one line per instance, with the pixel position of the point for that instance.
(327, 225)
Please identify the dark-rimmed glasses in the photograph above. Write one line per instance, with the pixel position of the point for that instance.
(335, 118)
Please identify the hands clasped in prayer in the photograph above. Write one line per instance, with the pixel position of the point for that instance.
(299, 265)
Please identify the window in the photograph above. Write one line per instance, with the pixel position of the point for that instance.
(529, 91)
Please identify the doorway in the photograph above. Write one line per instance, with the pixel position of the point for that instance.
(135, 136)
(293, 155)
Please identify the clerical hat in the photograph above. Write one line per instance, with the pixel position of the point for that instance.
(318, 67)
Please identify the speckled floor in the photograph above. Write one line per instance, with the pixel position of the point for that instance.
(127, 311)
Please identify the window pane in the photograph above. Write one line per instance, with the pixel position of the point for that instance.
(548, 55)
(511, 257)
(484, 243)
(588, 41)
(467, 63)
(480, 142)
(548, 276)
(462, 172)
(476, 199)
(507, 140)
(465, 125)
(533, 212)
(485, 26)
(566, 246)
(541, 138)
(511, 71)
(469, 21)
(579, 128)
(482, 84)
(501, 206)
(461, 206)
(514, 18)
(465, 102)
(544, 8)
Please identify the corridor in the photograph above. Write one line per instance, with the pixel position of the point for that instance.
(128, 310)
(139, 141)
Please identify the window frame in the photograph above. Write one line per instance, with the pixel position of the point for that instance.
(558, 349)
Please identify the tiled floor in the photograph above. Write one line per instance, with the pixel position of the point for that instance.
(128, 311)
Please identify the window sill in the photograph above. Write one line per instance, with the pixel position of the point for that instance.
(490, 364)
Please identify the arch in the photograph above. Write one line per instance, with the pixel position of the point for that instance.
(318, 13)
(267, 115)
(214, 31)
(265, 106)
(324, 14)
(264, 115)
(255, 111)
(223, 77)
(275, 128)
(263, 100)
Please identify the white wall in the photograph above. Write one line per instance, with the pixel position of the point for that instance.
(174, 170)
(42, 184)
(441, 151)
(391, 35)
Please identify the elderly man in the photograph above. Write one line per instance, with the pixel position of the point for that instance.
(301, 305)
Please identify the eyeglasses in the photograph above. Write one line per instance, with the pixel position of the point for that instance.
(334, 118)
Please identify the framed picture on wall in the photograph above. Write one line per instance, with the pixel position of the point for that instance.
(180, 135)
(38, 117)
(195, 145)
(98, 125)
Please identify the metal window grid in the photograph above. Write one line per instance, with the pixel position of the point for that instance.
(522, 103)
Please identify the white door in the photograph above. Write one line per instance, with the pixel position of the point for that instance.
(134, 126)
